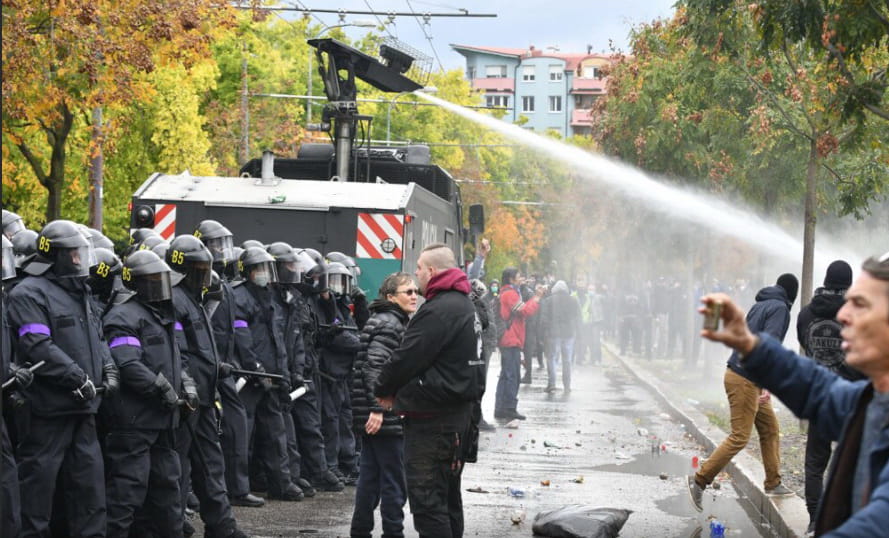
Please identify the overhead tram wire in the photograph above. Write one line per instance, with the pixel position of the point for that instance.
(383, 25)
(312, 11)
(425, 33)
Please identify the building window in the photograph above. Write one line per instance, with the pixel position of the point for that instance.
(555, 73)
(590, 71)
(528, 73)
(495, 71)
(497, 101)
(555, 103)
(528, 103)
(584, 101)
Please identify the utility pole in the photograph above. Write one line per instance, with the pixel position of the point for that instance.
(245, 111)
(97, 165)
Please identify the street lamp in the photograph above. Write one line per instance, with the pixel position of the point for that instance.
(361, 23)
(427, 89)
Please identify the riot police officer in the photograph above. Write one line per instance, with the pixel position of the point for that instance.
(12, 224)
(356, 296)
(104, 277)
(339, 344)
(259, 342)
(10, 520)
(197, 439)
(52, 316)
(142, 463)
(235, 438)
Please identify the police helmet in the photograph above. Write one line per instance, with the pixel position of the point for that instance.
(100, 240)
(103, 273)
(61, 244)
(316, 275)
(257, 266)
(150, 242)
(161, 249)
(346, 260)
(146, 274)
(252, 243)
(218, 239)
(286, 262)
(192, 261)
(139, 235)
(339, 278)
(230, 271)
(24, 247)
(8, 258)
(12, 224)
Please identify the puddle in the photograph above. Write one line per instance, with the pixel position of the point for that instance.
(725, 506)
(672, 464)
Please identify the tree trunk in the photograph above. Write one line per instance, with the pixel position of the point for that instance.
(97, 163)
(809, 225)
(55, 181)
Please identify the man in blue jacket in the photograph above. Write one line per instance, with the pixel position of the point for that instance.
(749, 405)
(856, 414)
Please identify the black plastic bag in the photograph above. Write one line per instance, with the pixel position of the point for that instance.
(580, 521)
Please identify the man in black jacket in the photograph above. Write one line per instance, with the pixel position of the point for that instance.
(818, 332)
(433, 379)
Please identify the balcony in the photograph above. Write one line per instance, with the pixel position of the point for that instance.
(581, 118)
(588, 85)
(493, 84)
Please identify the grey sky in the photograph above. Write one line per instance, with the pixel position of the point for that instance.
(569, 25)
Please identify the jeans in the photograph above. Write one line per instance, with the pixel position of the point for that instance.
(746, 412)
(381, 482)
(508, 384)
(817, 456)
(564, 348)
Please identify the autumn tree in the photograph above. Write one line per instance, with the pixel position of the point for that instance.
(62, 59)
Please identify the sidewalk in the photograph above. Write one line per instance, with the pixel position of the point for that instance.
(787, 516)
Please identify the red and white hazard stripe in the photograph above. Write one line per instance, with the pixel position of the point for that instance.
(165, 220)
(380, 236)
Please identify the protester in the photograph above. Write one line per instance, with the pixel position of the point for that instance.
(819, 335)
(381, 468)
(853, 414)
(748, 404)
(513, 312)
(561, 322)
(434, 378)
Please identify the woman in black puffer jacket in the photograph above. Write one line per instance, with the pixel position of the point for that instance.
(381, 469)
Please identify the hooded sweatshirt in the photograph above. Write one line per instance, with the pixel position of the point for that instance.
(770, 314)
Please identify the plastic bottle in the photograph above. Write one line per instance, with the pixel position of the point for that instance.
(515, 491)
(717, 529)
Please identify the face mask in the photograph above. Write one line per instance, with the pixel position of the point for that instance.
(494, 289)
(261, 279)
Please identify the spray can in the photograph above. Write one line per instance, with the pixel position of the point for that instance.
(239, 384)
(298, 393)
(717, 529)
(712, 316)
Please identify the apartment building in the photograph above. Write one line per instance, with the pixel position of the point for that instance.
(553, 90)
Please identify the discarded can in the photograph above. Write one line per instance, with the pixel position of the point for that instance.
(694, 462)
(717, 529)
(515, 492)
(712, 316)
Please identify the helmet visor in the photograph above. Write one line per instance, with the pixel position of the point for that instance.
(74, 262)
(340, 284)
(154, 287)
(221, 249)
(263, 273)
(13, 228)
(8, 262)
(288, 272)
(199, 276)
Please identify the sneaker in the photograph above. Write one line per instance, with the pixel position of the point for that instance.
(248, 500)
(499, 414)
(486, 426)
(780, 491)
(696, 493)
(306, 486)
(513, 414)
(549, 389)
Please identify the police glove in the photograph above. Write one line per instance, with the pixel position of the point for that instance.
(190, 388)
(85, 392)
(23, 376)
(263, 382)
(110, 379)
(284, 388)
(357, 294)
(225, 369)
(297, 381)
(165, 390)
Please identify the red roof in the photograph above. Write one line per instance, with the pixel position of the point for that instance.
(494, 50)
(572, 60)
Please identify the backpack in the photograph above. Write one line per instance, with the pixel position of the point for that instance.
(823, 344)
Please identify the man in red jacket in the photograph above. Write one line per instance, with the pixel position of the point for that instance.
(513, 312)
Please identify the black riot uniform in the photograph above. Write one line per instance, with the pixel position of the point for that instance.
(142, 464)
(52, 317)
(355, 298)
(197, 440)
(10, 520)
(306, 410)
(259, 343)
(339, 343)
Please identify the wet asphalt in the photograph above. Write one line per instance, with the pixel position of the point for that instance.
(607, 443)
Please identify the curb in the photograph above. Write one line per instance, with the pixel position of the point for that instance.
(787, 516)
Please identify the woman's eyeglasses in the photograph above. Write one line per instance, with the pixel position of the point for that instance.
(409, 292)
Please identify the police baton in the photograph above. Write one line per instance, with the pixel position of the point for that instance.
(338, 326)
(31, 369)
